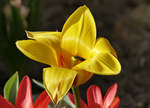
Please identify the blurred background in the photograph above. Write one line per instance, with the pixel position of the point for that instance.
(126, 23)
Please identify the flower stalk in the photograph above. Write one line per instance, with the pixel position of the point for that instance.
(76, 95)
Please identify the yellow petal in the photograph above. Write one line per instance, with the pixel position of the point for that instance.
(43, 34)
(58, 81)
(79, 33)
(82, 77)
(103, 45)
(50, 38)
(38, 51)
(102, 64)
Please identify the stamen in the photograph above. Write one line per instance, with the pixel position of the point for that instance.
(79, 58)
(76, 60)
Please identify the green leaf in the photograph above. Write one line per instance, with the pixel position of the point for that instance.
(38, 83)
(66, 99)
(11, 88)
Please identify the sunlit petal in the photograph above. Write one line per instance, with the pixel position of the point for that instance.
(58, 81)
(82, 77)
(110, 95)
(5, 104)
(94, 97)
(102, 64)
(49, 38)
(38, 51)
(24, 95)
(79, 33)
(103, 45)
(43, 34)
(42, 101)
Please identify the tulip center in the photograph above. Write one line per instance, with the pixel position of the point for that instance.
(68, 61)
(76, 60)
(61, 60)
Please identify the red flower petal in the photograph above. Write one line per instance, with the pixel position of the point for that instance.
(115, 103)
(42, 101)
(83, 104)
(110, 95)
(4, 103)
(94, 97)
(24, 96)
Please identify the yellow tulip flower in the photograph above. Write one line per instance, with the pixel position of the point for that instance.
(74, 55)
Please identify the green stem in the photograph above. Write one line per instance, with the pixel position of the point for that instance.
(76, 95)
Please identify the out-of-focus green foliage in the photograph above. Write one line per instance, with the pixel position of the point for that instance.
(12, 28)
(11, 88)
(67, 100)
(16, 25)
(34, 6)
(38, 83)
